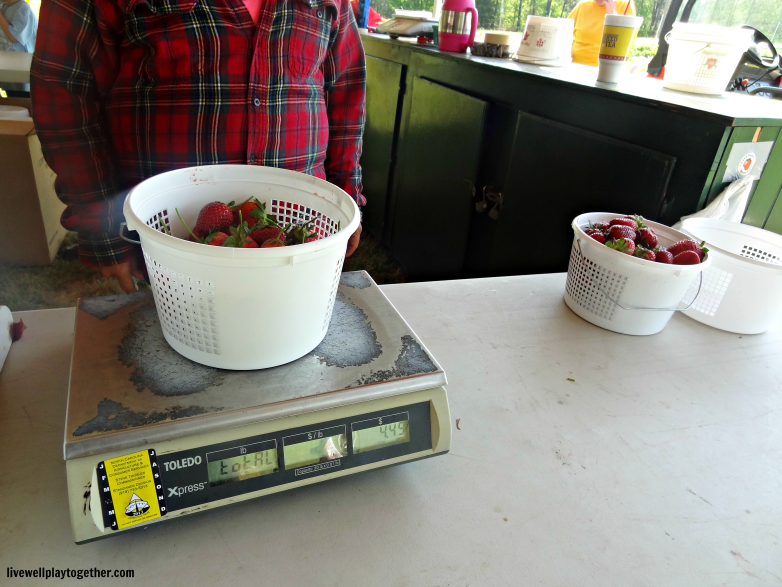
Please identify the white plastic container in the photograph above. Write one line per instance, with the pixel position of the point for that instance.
(242, 308)
(13, 112)
(702, 58)
(742, 290)
(622, 293)
(546, 41)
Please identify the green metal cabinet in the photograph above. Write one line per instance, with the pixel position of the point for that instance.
(385, 87)
(439, 150)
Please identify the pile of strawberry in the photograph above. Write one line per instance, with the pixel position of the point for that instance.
(631, 236)
(245, 226)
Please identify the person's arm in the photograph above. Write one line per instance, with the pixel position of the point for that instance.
(344, 87)
(74, 65)
(6, 28)
(22, 25)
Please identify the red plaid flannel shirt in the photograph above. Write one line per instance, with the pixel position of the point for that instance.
(125, 89)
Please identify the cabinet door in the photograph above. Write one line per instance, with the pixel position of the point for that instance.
(438, 157)
(384, 82)
(559, 171)
(764, 209)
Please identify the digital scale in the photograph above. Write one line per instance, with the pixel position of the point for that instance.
(151, 436)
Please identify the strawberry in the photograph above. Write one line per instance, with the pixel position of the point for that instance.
(643, 253)
(302, 234)
(261, 217)
(686, 258)
(240, 238)
(622, 245)
(246, 209)
(688, 245)
(599, 237)
(214, 216)
(647, 237)
(621, 231)
(216, 239)
(17, 328)
(628, 221)
(274, 242)
(261, 235)
(663, 256)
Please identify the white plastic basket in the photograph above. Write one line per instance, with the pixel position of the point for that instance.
(742, 290)
(622, 293)
(702, 58)
(242, 308)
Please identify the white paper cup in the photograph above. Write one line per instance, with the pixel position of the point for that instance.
(619, 32)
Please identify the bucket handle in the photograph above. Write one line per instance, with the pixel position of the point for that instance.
(122, 227)
(600, 289)
(705, 46)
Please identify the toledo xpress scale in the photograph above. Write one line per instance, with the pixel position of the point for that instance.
(151, 436)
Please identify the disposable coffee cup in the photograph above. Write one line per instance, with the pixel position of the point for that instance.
(619, 32)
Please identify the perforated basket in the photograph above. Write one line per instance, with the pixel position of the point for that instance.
(622, 293)
(742, 290)
(242, 308)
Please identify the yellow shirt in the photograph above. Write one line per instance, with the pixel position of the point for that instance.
(588, 32)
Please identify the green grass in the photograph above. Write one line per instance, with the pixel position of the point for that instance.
(63, 282)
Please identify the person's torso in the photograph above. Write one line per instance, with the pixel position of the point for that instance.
(20, 12)
(199, 83)
(588, 31)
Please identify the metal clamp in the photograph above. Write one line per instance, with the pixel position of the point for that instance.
(600, 289)
(122, 235)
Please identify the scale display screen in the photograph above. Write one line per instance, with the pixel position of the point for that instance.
(241, 462)
(316, 446)
(380, 432)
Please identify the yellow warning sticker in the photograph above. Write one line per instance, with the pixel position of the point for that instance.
(132, 487)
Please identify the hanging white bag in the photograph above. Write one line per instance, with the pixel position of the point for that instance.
(730, 205)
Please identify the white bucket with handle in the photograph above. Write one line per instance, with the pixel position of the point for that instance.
(623, 293)
(242, 308)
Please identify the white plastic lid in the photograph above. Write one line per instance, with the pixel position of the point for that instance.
(726, 33)
(13, 112)
(625, 20)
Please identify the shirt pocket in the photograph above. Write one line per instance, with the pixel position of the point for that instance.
(167, 32)
(308, 40)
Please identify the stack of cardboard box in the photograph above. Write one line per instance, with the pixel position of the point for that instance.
(30, 229)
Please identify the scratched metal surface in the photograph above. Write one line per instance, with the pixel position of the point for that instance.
(128, 386)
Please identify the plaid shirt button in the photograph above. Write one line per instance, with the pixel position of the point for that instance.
(257, 102)
(252, 158)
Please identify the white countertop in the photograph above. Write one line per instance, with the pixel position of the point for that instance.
(15, 66)
(660, 465)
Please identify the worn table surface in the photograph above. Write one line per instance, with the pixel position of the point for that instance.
(658, 464)
(15, 66)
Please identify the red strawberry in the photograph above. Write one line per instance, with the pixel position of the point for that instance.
(261, 235)
(688, 245)
(599, 237)
(214, 216)
(663, 256)
(302, 234)
(628, 221)
(620, 231)
(601, 226)
(648, 237)
(273, 242)
(686, 258)
(246, 209)
(216, 239)
(643, 253)
(622, 245)
(240, 236)
(312, 239)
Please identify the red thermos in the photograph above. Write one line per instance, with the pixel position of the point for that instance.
(458, 25)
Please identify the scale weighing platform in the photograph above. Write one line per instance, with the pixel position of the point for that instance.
(151, 436)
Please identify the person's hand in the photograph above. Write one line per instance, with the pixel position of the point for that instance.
(610, 6)
(124, 272)
(353, 241)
